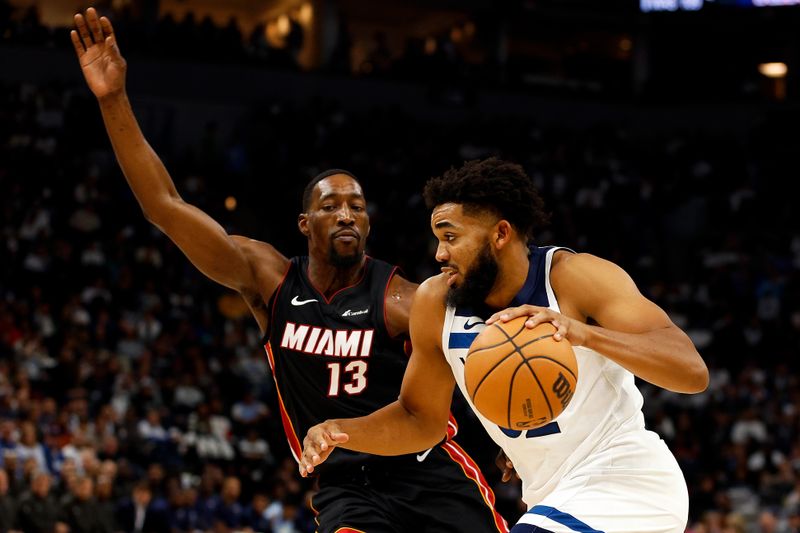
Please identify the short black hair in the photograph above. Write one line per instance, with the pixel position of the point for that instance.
(492, 185)
(319, 177)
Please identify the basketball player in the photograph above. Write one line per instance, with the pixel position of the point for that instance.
(334, 323)
(595, 468)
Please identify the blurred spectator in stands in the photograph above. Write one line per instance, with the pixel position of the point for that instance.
(105, 503)
(249, 411)
(38, 510)
(140, 515)
(255, 515)
(8, 505)
(79, 509)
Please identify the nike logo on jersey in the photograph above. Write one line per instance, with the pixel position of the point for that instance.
(356, 313)
(467, 325)
(422, 456)
(297, 302)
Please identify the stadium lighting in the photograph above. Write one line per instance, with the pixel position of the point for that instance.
(773, 70)
(230, 203)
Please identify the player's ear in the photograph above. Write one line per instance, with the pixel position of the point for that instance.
(503, 232)
(302, 224)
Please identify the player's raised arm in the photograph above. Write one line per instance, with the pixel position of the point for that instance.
(206, 244)
(418, 419)
(630, 329)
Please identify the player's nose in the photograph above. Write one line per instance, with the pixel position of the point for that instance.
(344, 216)
(442, 254)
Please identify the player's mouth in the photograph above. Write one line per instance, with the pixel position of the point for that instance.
(346, 236)
(451, 274)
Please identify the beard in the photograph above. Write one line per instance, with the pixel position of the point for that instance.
(344, 261)
(478, 281)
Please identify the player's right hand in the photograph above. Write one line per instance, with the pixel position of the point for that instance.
(96, 45)
(318, 445)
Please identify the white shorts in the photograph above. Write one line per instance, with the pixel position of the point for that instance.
(634, 486)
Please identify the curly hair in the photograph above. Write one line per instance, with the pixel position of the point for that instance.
(492, 185)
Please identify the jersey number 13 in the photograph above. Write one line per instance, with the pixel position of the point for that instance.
(354, 380)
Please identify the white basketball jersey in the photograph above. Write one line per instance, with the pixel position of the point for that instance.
(605, 406)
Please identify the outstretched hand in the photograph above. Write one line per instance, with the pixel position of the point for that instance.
(100, 59)
(318, 445)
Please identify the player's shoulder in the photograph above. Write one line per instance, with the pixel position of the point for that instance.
(570, 264)
(433, 291)
(581, 275)
(399, 285)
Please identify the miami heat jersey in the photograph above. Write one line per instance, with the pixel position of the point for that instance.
(332, 357)
(605, 405)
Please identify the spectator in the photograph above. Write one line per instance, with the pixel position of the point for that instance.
(229, 513)
(38, 510)
(8, 505)
(79, 510)
(255, 515)
(139, 515)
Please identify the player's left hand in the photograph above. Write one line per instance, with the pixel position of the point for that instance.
(506, 466)
(318, 445)
(566, 327)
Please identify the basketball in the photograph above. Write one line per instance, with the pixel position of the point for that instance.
(520, 378)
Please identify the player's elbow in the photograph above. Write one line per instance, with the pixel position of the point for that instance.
(429, 428)
(697, 377)
(161, 213)
(435, 431)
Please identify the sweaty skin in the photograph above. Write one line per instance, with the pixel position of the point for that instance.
(625, 327)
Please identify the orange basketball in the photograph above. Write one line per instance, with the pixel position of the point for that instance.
(520, 378)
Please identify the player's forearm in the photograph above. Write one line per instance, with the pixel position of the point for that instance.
(143, 169)
(392, 430)
(665, 357)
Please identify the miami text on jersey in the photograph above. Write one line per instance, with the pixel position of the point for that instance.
(323, 341)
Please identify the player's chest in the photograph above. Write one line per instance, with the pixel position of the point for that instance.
(307, 324)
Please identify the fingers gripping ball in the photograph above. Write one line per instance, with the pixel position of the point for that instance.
(520, 378)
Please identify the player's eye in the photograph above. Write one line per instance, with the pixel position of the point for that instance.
(357, 208)
(328, 208)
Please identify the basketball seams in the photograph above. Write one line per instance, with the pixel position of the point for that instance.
(511, 390)
(559, 363)
(489, 372)
(516, 350)
(500, 363)
(507, 339)
(541, 387)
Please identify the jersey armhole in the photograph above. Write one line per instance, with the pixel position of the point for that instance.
(271, 303)
(395, 271)
(551, 295)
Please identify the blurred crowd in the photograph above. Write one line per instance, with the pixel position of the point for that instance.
(135, 395)
(145, 32)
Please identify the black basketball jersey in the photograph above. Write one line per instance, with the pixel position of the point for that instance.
(332, 357)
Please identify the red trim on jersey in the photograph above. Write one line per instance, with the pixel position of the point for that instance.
(367, 259)
(472, 471)
(288, 428)
(452, 427)
(348, 530)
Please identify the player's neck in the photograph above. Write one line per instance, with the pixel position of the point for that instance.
(511, 276)
(328, 278)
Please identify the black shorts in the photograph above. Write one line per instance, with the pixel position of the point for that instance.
(445, 492)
